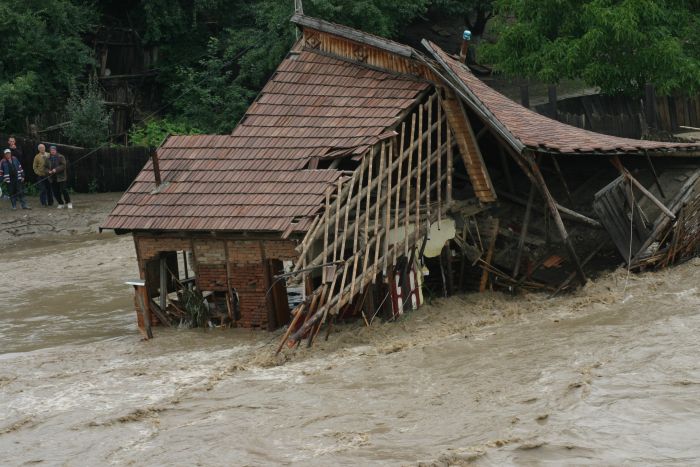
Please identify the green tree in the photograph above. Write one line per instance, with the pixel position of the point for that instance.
(88, 116)
(382, 17)
(42, 55)
(153, 132)
(618, 45)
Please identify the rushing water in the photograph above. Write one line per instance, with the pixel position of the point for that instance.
(606, 376)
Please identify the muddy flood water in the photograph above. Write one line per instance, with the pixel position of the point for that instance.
(610, 375)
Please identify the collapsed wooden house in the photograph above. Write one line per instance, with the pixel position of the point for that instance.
(377, 173)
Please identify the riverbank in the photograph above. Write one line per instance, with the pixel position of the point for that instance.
(89, 210)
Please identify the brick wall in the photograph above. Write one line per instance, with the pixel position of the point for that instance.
(208, 251)
(246, 267)
(212, 277)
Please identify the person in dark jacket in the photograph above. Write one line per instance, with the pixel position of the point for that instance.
(57, 172)
(16, 151)
(13, 175)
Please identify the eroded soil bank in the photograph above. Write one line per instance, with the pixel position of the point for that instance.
(604, 376)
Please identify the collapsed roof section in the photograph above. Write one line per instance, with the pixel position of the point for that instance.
(261, 177)
(524, 129)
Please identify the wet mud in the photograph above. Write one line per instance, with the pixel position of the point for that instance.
(607, 375)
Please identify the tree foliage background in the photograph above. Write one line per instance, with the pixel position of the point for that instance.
(215, 55)
(619, 45)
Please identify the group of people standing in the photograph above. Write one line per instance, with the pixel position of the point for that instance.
(51, 169)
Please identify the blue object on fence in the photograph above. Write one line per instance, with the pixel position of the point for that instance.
(467, 35)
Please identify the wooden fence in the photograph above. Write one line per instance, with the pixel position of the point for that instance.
(625, 116)
(105, 169)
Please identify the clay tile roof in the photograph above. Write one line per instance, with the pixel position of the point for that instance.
(525, 128)
(256, 178)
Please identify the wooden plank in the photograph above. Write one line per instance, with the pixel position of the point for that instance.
(387, 209)
(353, 35)
(142, 297)
(468, 148)
(407, 198)
(439, 160)
(450, 163)
(489, 254)
(399, 177)
(560, 174)
(357, 224)
(418, 179)
(370, 176)
(429, 158)
(378, 204)
(523, 231)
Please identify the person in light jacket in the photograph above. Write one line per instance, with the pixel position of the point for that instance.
(39, 166)
(57, 171)
(12, 173)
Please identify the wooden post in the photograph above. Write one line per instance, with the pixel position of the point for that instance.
(439, 160)
(430, 160)
(387, 209)
(523, 231)
(489, 255)
(418, 178)
(370, 175)
(357, 224)
(326, 216)
(378, 203)
(653, 172)
(552, 95)
(557, 220)
(506, 169)
(561, 178)
(650, 106)
(463, 261)
(163, 283)
(442, 271)
(399, 177)
(450, 163)
(525, 95)
(407, 200)
(156, 166)
(142, 297)
(337, 221)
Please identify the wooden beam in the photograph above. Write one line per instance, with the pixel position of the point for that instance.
(523, 230)
(489, 255)
(560, 174)
(357, 225)
(468, 147)
(353, 35)
(568, 213)
(407, 198)
(419, 163)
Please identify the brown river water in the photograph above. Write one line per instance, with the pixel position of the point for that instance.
(607, 376)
